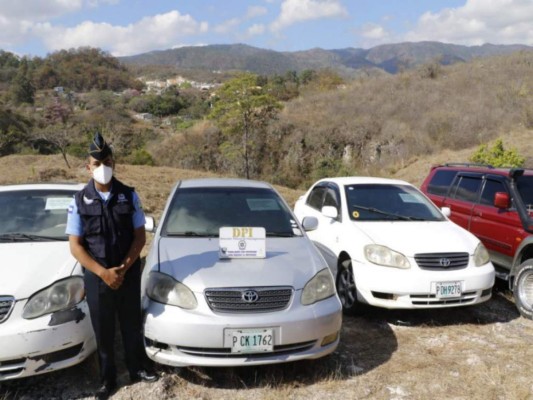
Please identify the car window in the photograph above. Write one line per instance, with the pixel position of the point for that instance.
(331, 199)
(38, 212)
(441, 181)
(316, 197)
(203, 211)
(467, 188)
(524, 185)
(489, 190)
(378, 202)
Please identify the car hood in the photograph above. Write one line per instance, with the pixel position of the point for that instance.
(29, 267)
(412, 237)
(195, 262)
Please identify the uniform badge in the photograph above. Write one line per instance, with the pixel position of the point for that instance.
(87, 201)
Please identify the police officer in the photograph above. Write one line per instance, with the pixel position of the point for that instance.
(106, 235)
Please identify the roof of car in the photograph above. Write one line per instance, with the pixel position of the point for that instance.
(479, 168)
(222, 182)
(357, 180)
(42, 186)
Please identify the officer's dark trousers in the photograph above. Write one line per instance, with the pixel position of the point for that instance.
(104, 305)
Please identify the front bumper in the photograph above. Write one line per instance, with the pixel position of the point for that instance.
(412, 288)
(179, 337)
(44, 344)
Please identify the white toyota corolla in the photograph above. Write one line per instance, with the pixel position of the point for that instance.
(392, 247)
(44, 319)
(231, 279)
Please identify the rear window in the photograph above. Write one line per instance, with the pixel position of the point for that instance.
(203, 211)
(441, 181)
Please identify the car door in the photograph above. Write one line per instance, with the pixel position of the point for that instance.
(500, 230)
(462, 197)
(322, 194)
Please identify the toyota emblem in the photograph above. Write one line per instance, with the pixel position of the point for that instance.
(250, 296)
(444, 262)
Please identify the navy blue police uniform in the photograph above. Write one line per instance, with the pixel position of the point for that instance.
(108, 233)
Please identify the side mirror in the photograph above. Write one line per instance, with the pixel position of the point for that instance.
(310, 223)
(502, 200)
(447, 211)
(149, 225)
(330, 212)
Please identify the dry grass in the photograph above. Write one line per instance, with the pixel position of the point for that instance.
(481, 352)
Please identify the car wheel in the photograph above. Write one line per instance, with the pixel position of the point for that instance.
(346, 288)
(523, 289)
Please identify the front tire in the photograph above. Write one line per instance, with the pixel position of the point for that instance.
(523, 289)
(346, 288)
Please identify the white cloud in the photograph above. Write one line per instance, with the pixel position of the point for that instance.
(96, 3)
(159, 31)
(38, 10)
(255, 11)
(227, 26)
(373, 35)
(294, 11)
(256, 29)
(478, 22)
(374, 32)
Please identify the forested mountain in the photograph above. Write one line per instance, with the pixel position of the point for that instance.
(390, 57)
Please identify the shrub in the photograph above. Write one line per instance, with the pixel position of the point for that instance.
(497, 156)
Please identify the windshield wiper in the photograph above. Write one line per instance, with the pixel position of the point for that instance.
(191, 234)
(280, 234)
(388, 214)
(17, 236)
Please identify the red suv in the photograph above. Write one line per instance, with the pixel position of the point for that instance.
(496, 205)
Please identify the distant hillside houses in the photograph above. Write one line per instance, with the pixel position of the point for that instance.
(158, 86)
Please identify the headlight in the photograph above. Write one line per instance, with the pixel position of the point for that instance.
(61, 295)
(481, 255)
(165, 289)
(382, 255)
(320, 287)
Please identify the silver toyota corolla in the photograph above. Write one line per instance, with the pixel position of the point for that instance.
(232, 279)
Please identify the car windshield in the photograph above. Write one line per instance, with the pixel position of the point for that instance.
(525, 188)
(203, 211)
(34, 215)
(379, 202)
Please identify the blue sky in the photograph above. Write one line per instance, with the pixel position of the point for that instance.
(127, 27)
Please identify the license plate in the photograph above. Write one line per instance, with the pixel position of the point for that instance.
(448, 289)
(251, 340)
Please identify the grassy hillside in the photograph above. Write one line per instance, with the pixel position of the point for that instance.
(155, 183)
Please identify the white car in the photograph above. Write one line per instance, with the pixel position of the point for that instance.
(44, 319)
(392, 247)
(231, 279)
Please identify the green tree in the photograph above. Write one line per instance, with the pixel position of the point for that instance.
(497, 156)
(22, 89)
(242, 111)
(13, 131)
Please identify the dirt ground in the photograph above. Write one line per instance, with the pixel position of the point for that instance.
(478, 352)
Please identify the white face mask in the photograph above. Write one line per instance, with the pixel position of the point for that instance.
(103, 174)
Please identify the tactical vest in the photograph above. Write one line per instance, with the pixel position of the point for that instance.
(107, 227)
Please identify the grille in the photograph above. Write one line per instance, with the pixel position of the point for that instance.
(442, 261)
(6, 305)
(231, 299)
(226, 352)
(432, 300)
